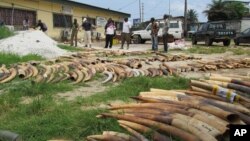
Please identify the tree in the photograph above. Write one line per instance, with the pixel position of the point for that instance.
(192, 16)
(220, 10)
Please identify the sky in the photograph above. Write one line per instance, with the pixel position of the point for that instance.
(152, 8)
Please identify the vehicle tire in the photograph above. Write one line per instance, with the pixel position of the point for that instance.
(226, 42)
(236, 42)
(137, 39)
(143, 41)
(208, 41)
(194, 41)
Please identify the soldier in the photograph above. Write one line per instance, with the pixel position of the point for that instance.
(75, 28)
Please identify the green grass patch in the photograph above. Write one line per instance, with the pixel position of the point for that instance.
(5, 32)
(8, 58)
(70, 48)
(44, 118)
(218, 50)
(131, 87)
(13, 92)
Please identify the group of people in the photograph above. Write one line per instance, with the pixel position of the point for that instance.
(87, 27)
(110, 32)
(155, 30)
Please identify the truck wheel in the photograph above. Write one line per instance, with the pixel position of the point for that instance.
(237, 42)
(208, 41)
(137, 39)
(226, 42)
(194, 41)
(143, 41)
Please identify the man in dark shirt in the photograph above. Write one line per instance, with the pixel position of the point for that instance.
(154, 34)
(42, 26)
(86, 25)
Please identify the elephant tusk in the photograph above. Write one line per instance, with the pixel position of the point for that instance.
(13, 73)
(110, 76)
(134, 133)
(143, 129)
(163, 127)
(80, 77)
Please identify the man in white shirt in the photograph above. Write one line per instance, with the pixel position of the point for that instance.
(125, 36)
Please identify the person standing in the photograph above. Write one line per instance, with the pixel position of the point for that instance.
(26, 24)
(154, 34)
(86, 25)
(42, 26)
(110, 32)
(75, 28)
(125, 36)
(165, 32)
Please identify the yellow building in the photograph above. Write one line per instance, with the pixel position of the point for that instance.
(58, 15)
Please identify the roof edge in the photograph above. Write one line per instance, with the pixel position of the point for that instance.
(79, 4)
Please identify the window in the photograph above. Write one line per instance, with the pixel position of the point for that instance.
(91, 20)
(216, 26)
(148, 27)
(61, 20)
(118, 25)
(247, 31)
(174, 25)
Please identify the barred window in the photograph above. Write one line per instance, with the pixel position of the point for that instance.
(61, 20)
(119, 25)
(92, 21)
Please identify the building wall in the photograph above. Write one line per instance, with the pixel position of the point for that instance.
(45, 9)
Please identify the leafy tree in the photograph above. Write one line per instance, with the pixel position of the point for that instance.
(192, 16)
(220, 10)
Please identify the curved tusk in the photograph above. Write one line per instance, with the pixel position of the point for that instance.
(13, 73)
(21, 72)
(163, 127)
(110, 76)
(134, 133)
(144, 129)
(136, 72)
(115, 77)
(80, 76)
(34, 70)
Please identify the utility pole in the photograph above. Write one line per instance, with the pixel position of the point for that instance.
(142, 13)
(185, 19)
(169, 7)
(140, 10)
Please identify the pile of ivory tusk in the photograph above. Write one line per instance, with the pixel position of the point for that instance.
(79, 68)
(220, 64)
(199, 114)
(82, 67)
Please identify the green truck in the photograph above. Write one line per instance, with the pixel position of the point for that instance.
(213, 32)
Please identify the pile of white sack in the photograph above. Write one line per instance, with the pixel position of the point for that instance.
(178, 44)
(31, 42)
